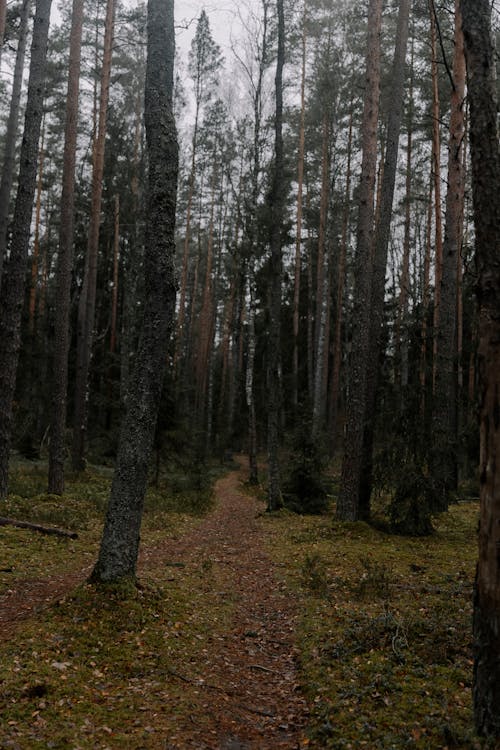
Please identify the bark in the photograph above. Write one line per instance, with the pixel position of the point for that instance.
(337, 339)
(436, 160)
(276, 201)
(444, 412)
(401, 334)
(253, 476)
(87, 302)
(59, 396)
(298, 240)
(486, 183)
(120, 542)
(382, 236)
(348, 501)
(11, 132)
(3, 14)
(425, 302)
(36, 240)
(12, 286)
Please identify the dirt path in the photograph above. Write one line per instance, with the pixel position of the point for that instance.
(244, 687)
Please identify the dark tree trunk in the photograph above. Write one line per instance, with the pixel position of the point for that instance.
(481, 84)
(11, 132)
(13, 279)
(276, 201)
(348, 502)
(57, 448)
(444, 410)
(382, 236)
(120, 542)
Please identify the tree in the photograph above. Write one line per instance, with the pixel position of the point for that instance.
(485, 154)
(65, 261)
(348, 502)
(276, 205)
(12, 286)
(120, 542)
(204, 65)
(10, 136)
(444, 411)
(87, 302)
(381, 246)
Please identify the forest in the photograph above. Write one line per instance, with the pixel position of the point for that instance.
(249, 374)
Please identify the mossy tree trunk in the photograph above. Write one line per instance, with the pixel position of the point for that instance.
(120, 542)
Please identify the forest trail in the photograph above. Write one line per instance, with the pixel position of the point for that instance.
(243, 686)
(248, 685)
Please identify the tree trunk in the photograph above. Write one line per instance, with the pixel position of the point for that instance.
(120, 541)
(276, 202)
(12, 286)
(3, 14)
(36, 241)
(348, 501)
(57, 447)
(298, 240)
(485, 155)
(436, 160)
(337, 340)
(382, 236)
(86, 306)
(444, 411)
(11, 132)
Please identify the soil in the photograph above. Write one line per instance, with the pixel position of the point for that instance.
(247, 694)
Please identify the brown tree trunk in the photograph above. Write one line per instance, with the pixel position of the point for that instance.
(87, 302)
(13, 278)
(337, 339)
(381, 247)
(348, 502)
(444, 411)
(11, 132)
(476, 15)
(436, 160)
(57, 448)
(120, 542)
(425, 301)
(276, 204)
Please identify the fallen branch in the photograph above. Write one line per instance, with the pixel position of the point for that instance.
(37, 527)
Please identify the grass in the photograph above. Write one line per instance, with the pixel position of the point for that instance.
(384, 633)
(104, 667)
(385, 630)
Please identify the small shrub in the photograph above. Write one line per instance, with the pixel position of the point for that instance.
(314, 574)
(304, 489)
(414, 503)
(375, 581)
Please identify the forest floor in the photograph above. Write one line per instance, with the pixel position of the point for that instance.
(248, 631)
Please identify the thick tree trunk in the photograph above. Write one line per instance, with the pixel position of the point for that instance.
(476, 15)
(348, 501)
(120, 542)
(35, 260)
(11, 132)
(276, 201)
(12, 286)
(444, 411)
(382, 236)
(87, 302)
(3, 14)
